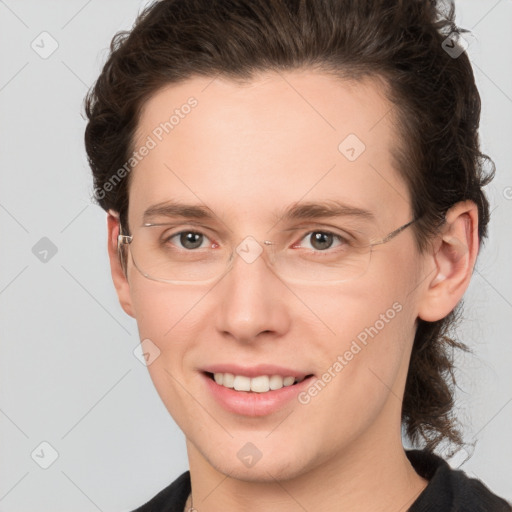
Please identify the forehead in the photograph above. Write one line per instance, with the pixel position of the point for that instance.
(248, 149)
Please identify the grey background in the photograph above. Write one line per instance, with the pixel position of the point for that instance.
(68, 373)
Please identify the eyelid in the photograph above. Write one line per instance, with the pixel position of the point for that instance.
(306, 229)
(179, 229)
(333, 230)
(180, 226)
(345, 225)
(343, 240)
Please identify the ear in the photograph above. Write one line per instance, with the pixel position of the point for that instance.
(451, 263)
(118, 275)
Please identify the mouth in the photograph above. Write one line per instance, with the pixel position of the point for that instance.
(256, 396)
(255, 385)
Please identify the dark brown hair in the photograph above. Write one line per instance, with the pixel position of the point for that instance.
(402, 42)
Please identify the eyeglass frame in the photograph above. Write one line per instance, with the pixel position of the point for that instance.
(123, 240)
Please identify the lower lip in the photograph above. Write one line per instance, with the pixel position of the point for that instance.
(251, 403)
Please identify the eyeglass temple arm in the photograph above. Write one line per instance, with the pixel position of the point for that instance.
(121, 240)
(392, 235)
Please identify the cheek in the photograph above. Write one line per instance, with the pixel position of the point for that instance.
(162, 309)
(366, 355)
(169, 317)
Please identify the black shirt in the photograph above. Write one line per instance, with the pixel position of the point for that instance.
(448, 490)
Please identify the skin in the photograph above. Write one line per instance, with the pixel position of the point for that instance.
(243, 151)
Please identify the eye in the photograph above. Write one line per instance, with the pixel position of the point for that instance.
(322, 240)
(189, 240)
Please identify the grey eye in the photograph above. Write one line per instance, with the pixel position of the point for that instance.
(186, 239)
(323, 240)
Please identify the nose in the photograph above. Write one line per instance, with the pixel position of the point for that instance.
(252, 299)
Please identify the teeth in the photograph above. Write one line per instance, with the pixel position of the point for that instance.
(242, 383)
(260, 384)
(276, 382)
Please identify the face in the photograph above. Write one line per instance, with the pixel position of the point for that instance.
(249, 153)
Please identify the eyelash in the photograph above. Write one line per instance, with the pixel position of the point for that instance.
(343, 240)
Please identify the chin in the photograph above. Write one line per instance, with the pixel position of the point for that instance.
(264, 472)
(276, 465)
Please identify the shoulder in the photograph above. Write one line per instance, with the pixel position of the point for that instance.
(170, 499)
(451, 489)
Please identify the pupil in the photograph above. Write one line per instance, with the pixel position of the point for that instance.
(191, 240)
(321, 240)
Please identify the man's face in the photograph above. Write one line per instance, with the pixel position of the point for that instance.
(249, 153)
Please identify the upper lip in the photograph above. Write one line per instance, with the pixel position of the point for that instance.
(255, 371)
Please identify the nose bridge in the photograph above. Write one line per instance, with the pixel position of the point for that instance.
(251, 299)
(250, 249)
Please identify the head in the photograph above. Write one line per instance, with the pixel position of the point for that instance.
(246, 109)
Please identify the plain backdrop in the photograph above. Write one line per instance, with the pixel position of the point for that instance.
(73, 396)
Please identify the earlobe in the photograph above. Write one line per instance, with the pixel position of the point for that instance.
(118, 275)
(452, 260)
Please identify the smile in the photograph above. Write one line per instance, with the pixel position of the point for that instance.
(258, 384)
(260, 395)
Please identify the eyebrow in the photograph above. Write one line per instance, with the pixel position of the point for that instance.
(298, 211)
